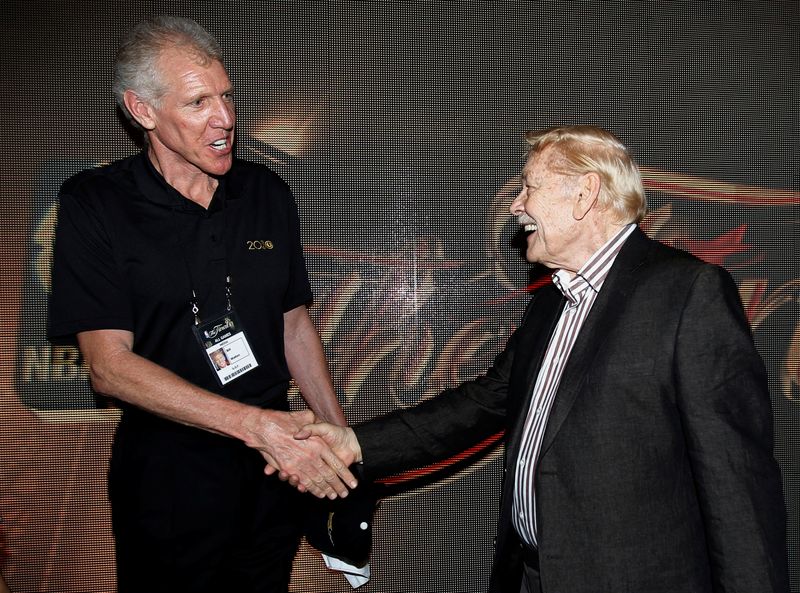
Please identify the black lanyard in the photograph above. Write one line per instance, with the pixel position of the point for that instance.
(228, 291)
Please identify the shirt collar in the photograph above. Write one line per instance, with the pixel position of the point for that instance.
(593, 273)
(156, 189)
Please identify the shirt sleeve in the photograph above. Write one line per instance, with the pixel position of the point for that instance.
(87, 286)
(298, 292)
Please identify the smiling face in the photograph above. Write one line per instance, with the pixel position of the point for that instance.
(219, 359)
(545, 207)
(190, 127)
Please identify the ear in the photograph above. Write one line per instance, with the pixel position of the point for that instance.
(140, 109)
(588, 192)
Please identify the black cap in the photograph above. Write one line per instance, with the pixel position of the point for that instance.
(342, 528)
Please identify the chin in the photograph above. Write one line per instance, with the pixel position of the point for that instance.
(532, 257)
(219, 168)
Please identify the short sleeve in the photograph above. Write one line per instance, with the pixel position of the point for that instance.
(298, 291)
(87, 287)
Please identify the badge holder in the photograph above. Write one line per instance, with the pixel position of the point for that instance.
(224, 343)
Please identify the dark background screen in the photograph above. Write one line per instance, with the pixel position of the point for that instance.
(399, 126)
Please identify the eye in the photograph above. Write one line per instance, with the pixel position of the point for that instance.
(228, 97)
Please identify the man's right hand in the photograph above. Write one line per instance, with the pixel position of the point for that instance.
(341, 439)
(309, 464)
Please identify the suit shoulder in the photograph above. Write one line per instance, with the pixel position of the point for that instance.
(682, 266)
(662, 255)
(663, 252)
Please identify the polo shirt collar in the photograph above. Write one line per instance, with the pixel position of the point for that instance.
(156, 189)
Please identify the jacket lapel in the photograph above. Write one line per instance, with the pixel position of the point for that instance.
(610, 303)
(536, 329)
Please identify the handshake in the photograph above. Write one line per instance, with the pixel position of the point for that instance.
(312, 456)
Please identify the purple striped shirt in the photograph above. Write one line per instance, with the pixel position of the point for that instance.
(580, 292)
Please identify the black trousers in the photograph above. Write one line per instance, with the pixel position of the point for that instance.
(193, 512)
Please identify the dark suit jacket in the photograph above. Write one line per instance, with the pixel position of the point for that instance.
(656, 472)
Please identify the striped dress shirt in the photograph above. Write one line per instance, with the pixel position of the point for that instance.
(580, 293)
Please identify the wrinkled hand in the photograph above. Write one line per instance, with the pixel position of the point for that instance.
(341, 439)
(309, 464)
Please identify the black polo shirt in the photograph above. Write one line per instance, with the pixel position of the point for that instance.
(129, 250)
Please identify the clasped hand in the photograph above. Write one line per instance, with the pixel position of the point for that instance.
(312, 457)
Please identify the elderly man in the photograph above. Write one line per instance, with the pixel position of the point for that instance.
(635, 406)
(155, 270)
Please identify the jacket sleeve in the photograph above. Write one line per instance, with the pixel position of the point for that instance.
(724, 404)
(440, 427)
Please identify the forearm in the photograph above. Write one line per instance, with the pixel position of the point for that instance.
(117, 372)
(430, 432)
(309, 368)
(439, 427)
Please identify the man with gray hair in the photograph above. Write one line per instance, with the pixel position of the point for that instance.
(162, 261)
(634, 404)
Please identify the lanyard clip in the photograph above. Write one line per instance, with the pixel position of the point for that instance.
(195, 308)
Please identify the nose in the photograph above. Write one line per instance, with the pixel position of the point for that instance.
(224, 115)
(518, 204)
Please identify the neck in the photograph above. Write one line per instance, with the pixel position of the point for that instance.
(599, 235)
(192, 183)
